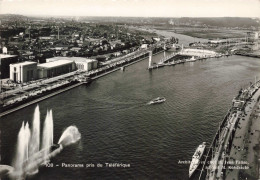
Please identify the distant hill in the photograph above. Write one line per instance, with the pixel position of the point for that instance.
(222, 21)
(189, 21)
(231, 22)
(11, 16)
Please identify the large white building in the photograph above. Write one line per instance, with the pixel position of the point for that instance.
(55, 68)
(28, 71)
(81, 63)
(23, 72)
(86, 64)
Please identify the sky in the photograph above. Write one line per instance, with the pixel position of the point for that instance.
(133, 8)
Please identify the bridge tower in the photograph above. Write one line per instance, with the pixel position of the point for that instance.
(150, 59)
(164, 52)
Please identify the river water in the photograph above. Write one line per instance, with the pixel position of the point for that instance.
(118, 127)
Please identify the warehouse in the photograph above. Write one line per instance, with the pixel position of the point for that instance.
(81, 63)
(55, 68)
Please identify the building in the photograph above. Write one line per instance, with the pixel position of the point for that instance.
(55, 68)
(144, 46)
(80, 62)
(86, 64)
(23, 72)
(198, 52)
(5, 61)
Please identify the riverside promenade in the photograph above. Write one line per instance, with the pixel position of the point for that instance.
(37, 91)
(234, 152)
(245, 147)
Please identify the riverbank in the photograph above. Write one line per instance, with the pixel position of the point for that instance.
(233, 139)
(255, 54)
(37, 99)
(245, 146)
(183, 39)
(24, 100)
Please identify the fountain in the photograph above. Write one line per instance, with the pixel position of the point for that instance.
(34, 145)
(69, 136)
(47, 140)
(22, 147)
(28, 156)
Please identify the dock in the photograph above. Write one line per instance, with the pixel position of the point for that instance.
(185, 55)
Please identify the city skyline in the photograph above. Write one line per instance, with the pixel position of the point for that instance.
(133, 8)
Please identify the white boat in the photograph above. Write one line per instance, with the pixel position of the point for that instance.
(167, 64)
(196, 158)
(160, 65)
(191, 59)
(157, 100)
(173, 63)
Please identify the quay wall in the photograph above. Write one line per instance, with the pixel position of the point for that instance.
(203, 172)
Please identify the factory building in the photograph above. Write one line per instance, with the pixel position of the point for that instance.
(55, 68)
(5, 61)
(23, 72)
(80, 62)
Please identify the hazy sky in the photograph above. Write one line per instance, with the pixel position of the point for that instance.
(144, 8)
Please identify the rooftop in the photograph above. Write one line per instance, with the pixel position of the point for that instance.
(24, 63)
(6, 56)
(54, 63)
(76, 59)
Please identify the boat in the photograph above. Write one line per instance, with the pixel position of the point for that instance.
(167, 64)
(196, 158)
(84, 80)
(160, 64)
(173, 63)
(157, 100)
(191, 59)
(122, 68)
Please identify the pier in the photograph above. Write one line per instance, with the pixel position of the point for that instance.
(185, 55)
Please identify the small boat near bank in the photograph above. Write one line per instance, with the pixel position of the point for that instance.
(84, 80)
(192, 59)
(157, 100)
(196, 158)
(122, 68)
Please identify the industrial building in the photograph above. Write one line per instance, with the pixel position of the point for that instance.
(55, 68)
(80, 62)
(5, 61)
(23, 72)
